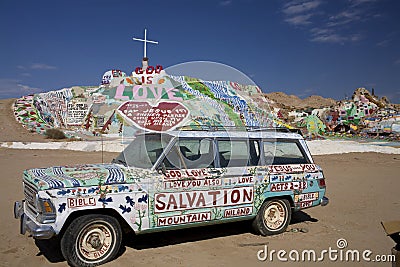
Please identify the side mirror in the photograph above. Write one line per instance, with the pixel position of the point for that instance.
(162, 169)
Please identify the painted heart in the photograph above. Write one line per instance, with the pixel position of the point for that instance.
(163, 117)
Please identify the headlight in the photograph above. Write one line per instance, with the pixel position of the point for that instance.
(46, 211)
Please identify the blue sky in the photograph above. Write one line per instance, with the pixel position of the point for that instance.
(301, 47)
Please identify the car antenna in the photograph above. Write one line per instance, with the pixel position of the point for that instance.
(102, 150)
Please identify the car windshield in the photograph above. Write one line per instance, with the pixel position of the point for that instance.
(144, 151)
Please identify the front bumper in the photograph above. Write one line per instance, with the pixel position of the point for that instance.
(38, 231)
(324, 201)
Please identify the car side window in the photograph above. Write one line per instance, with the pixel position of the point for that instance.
(190, 154)
(238, 153)
(283, 152)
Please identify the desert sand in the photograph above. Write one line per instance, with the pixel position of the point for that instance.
(363, 189)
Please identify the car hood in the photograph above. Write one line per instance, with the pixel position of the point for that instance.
(81, 175)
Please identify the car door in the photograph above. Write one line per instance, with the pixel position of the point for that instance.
(238, 162)
(190, 187)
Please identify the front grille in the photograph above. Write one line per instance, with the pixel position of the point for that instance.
(30, 197)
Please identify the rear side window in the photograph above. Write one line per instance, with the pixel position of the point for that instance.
(283, 152)
(238, 153)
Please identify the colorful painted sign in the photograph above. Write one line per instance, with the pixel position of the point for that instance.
(292, 168)
(162, 117)
(76, 113)
(184, 219)
(146, 76)
(306, 197)
(278, 187)
(188, 200)
(305, 204)
(81, 202)
(237, 212)
(189, 184)
(111, 74)
(193, 173)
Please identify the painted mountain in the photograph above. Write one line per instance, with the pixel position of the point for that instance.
(124, 104)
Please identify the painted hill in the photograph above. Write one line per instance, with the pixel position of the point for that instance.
(124, 106)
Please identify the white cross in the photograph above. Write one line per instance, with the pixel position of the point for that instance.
(145, 41)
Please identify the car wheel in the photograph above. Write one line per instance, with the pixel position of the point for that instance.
(91, 240)
(273, 217)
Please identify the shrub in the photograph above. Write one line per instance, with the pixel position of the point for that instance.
(55, 134)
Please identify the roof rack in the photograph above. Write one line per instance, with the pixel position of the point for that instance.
(236, 128)
(271, 129)
(278, 129)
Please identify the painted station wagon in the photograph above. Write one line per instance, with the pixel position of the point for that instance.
(171, 180)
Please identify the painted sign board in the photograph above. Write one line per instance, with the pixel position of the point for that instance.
(162, 117)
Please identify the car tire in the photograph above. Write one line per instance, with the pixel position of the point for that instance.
(273, 217)
(91, 240)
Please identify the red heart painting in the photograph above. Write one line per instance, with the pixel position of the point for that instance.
(163, 117)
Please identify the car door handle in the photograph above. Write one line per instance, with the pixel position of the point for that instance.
(215, 172)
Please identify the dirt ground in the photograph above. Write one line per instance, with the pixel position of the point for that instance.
(363, 189)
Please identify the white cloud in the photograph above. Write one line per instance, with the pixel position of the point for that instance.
(361, 2)
(356, 37)
(296, 7)
(300, 12)
(299, 20)
(397, 62)
(344, 17)
(383, 43)
(27, 88)
(320, 31)
(10, 88)
(334, 27)
(41, 66)
(37, 66)
(332, 37)
(389, 39)
(377, 15)
(329, 38)
(225, 3)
